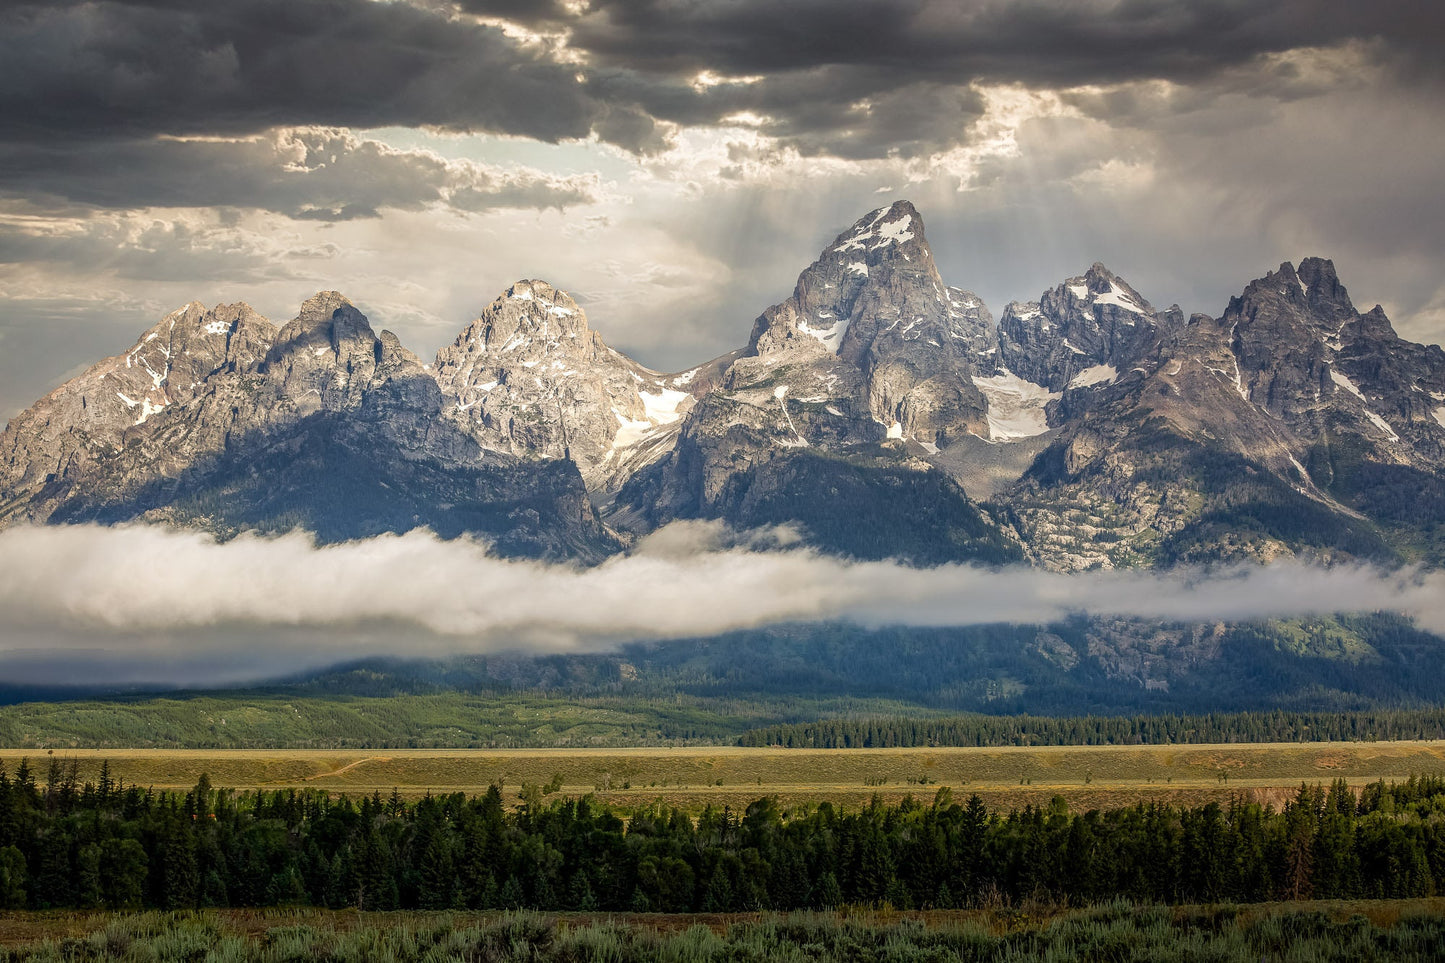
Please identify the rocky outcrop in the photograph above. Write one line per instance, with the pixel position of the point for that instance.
(128, 418)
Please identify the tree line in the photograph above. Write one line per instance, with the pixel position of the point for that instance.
(106, 845)
(1027, 730)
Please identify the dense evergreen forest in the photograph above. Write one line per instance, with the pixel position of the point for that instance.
(104, 845)
(982, 730)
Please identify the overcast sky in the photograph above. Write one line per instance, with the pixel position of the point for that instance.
(674, 165)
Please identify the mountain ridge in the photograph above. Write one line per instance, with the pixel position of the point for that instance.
(1084, 428)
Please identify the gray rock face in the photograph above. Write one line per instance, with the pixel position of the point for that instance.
(348, 426)
(1292, 424)
(529, 378)
(871, 360)
(1082, 333)
(128, 416)
(1307, 357)
(872, 324)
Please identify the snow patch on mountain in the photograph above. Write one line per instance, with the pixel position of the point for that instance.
(1381, 424)
(1015, 406)
(1099, 374)
(1344, 381)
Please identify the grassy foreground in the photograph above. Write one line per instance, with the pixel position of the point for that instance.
(1088, 776)
(1402, 932)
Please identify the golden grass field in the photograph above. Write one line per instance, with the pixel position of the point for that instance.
(1087, 776)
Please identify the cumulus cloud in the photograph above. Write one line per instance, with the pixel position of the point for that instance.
(146, 593)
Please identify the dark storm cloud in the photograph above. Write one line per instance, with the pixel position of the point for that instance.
(311, 174)
(1052, 42)
(135, 68)
(132, 69)
(873, 78)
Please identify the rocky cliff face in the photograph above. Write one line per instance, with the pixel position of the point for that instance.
(878, 411)
(120, 419)
(529, 378)
(849, 384)
(1292, 424)
(1080, 334)
(219, 420)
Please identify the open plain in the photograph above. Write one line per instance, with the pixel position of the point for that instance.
(1086, 776)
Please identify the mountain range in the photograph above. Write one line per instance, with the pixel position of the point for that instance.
(877, 412)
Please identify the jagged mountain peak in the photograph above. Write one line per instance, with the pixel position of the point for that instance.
(529, 377)
(527, 311)
(882, 231)
(883, 253)
(326, 321)
(1081, 333)
(1312, 289)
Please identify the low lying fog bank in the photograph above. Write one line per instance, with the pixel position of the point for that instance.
(143, 603)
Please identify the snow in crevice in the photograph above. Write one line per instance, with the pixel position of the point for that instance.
(1344, 381)
(797, 441)
(660, 408)
(1381, 424)
(663, 405)
(894, 231)
(1099, 374)
(1015, 406)
(1079, 291)
(1238, 377)
(1070, 345)
(857, 267)
(879, 234)
(216, 327)
(1439, 416)
(146, 406)
(895, 430)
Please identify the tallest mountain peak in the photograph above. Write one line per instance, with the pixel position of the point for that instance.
(885, 230)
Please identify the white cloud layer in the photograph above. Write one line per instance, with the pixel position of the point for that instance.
(141, 597)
